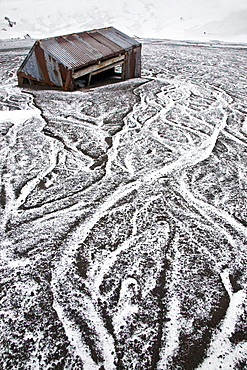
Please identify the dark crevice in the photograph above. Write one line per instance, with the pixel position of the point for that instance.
(51, 134)
(160, 292)
(70, 202)
(234, 280)
(88, 335)
(241, 221)
(219, 313)
(40, 204)
(192, 352)
(3, 196)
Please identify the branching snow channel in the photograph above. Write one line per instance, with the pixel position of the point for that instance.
(14, 204)
(108, 263)
(125, 307)
(172, 327)
(222, 353)
(75, 338)
(196, 155)
(209, 211)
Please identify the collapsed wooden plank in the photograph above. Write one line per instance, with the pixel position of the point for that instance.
(99, 67)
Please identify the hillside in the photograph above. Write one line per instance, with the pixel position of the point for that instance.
(181, 20)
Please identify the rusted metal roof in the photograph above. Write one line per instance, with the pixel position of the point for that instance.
(118, 37)
(85, 48)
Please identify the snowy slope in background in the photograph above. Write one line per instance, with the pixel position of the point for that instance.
(182, 19)
(232, 28)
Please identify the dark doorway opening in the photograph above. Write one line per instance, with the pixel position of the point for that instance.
(109, 76)
(25, 81)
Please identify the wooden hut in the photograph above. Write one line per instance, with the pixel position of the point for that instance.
(61, 61)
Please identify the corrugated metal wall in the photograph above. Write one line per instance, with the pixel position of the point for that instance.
(132, 63)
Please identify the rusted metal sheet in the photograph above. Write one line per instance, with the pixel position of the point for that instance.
(96, 45)
(93, 53)
(105, 41)
(128, 65)
(132, 67)
(59, 53)
(32, 68)
(87, 56)
(66, 74)
(59, 60)
(77, 54)
(118, 37)
(78, 49)
(40, 56)
(53, 70)
(137, 51)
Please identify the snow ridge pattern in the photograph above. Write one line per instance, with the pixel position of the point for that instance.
(123, 217)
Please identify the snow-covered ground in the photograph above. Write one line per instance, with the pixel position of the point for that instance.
(123, 217)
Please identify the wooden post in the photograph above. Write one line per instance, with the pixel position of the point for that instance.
(89, 79)
(123, 72)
